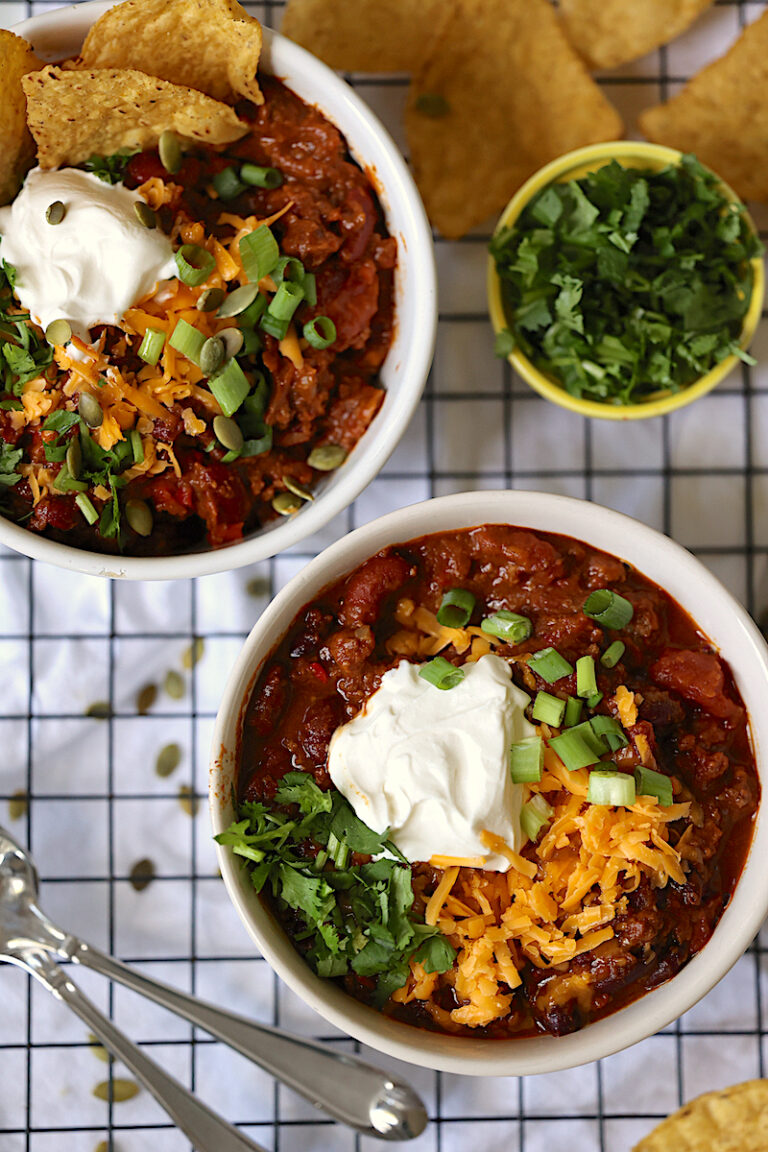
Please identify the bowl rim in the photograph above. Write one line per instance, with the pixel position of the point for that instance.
(602, 528)
(572, 162)
(417, 293)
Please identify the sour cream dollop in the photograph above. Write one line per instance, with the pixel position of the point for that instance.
(432, 765)
(95, 264)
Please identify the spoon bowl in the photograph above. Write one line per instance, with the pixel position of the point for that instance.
(372, 1102)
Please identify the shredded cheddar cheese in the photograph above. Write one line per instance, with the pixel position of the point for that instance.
(561, 897)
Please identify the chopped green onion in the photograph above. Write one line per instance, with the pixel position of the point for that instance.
(309, 284)
(275, 327)
(259, 253)
(286, 300)
(613, 654)
(548, 709)
(65, 481)
(550, 665)
(289, 268)
(320, 333)
(612, 788)
(230, 386)
(650, 783)
(526, 758)
(577, 747)
(193, 264)
(534, 814)
(253, 313)
(441, 673)
(86, 508)
(252, 342)
(608, 608)
(594, 699)
(255, 445)
(456, 608)
(259, 177)
(338, 851)
(610, 731)
(137, 446)
(152, 345)
(187, 340)
(228, 184)
(508, 626)
(586, 684)
(573, 709)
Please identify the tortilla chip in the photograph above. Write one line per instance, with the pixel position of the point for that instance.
(736, 1118)
(212, 46)
(73, 115)
(722, 115)
(483, 112)
(367, 36)
(17, 148)
(607, 33)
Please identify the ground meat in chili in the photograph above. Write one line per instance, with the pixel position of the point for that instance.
(333, 223)
(689, 712)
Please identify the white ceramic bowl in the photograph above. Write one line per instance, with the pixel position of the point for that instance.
(719, 616)
(61, 33)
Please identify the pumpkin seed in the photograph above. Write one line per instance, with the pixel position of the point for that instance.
(118, 1090)
(99, 710)
(188, 800)
(227, 433)
(169, 150)
(74, 457)
(211, 355)
(233, 341)
(144, 214)
(102, 1146)
(286, 503)
(192, 655)
(238, 300)
(18, 805)
(209, 300)
(327, 457)
(142, 874)
(90, 410)
(168, 760)
(146, 698)
(139, 516)
(297, 489)
(55, 212)
(432, 104)
(98, 1049)
(58, 333)
(258, 587)
(174, 684)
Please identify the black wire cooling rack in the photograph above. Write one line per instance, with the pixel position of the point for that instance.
(87, 708)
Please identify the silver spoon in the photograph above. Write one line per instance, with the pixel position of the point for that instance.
(344, 1087)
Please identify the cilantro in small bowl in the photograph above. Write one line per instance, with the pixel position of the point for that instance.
(629, 288)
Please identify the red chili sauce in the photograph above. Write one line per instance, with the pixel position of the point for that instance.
(690, 712)
(335, 226)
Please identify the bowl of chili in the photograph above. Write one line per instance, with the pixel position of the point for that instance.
(639, 284)
(671, 642)
(372, 394)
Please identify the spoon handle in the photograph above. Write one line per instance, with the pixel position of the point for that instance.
(206, 1131)
(370, 1101)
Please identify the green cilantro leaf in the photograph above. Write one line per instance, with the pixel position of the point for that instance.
(110, 169)
(9, 459)
(627, 281)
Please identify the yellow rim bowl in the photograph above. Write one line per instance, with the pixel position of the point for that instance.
(630, 154)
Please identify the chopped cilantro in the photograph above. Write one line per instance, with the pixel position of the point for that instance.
(9, 458)
(355, 918)
(627, 282)
(110, 169)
